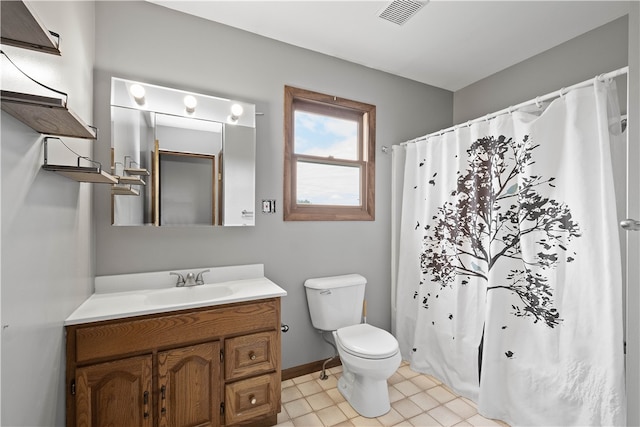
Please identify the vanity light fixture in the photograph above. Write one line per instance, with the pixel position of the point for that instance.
(137, 91)
(190, 103)
(236, 112)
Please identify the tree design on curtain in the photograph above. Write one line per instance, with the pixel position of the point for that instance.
(494, 205)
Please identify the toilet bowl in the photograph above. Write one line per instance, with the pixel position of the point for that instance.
(369, 357)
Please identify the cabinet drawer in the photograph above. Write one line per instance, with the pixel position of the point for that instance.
(252, 398)
(251, 355)
(137, 335)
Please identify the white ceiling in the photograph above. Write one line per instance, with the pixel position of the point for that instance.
(448, 44)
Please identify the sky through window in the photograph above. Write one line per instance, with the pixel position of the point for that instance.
(329, 137)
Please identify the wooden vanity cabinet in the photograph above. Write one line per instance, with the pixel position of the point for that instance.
(213, 366)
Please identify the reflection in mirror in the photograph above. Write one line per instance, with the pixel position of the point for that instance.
(187, 178)
(181, 158)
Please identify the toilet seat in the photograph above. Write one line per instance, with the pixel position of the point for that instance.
(366, 341)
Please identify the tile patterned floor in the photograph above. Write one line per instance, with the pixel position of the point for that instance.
(416, 400)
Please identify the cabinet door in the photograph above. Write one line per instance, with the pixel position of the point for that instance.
(114, 393)
(188, 384)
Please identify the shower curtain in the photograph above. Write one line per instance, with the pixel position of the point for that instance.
(508, 276)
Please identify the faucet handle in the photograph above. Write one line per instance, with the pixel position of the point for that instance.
(180, 282)
(199, 278)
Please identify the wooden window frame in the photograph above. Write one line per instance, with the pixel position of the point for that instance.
(332, 106)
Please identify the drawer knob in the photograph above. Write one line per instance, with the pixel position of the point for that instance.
(253, 399)
(252, 356)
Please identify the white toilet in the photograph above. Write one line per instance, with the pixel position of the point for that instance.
(369, 355)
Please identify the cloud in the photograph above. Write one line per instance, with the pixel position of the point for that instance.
(324, 136)
(328, 184)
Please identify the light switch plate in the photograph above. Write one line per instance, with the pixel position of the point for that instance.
(268, 206)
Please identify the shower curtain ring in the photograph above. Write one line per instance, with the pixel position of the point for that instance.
(562, 92)
(538, 103)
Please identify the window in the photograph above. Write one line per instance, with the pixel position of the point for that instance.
(329, 158)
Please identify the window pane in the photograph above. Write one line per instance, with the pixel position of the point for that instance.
(325, 136)
(320, 184)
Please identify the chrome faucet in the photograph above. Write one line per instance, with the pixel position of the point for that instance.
(191, 279)
(180, 282)
(199, 278)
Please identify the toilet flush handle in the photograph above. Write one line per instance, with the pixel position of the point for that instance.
(325, 292)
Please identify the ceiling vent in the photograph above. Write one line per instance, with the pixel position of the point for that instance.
(399, 11)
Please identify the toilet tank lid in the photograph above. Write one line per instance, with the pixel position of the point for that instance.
(335, 281)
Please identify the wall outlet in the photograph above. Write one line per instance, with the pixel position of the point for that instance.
(268, 206)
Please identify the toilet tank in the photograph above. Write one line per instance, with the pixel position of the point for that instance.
(336, 301)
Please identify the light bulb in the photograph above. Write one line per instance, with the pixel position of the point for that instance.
(236, 111)
(190, 103)
(138, 92)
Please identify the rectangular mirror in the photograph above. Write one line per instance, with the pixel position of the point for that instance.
(181, 158)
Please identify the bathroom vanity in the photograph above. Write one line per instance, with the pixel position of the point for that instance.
(207, 362)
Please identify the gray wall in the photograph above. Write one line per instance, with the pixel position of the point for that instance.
(143, 41)
(604, 49)
(596, 52)
(47, 228)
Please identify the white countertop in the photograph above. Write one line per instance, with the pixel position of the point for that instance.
(117, 305)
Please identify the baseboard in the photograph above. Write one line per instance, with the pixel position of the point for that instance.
(308, 368)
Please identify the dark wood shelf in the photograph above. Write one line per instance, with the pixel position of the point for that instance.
(93, 174)
(20, 27)
(82, 174)
(124, 191)
(46, 115)
(136, 171)
(130, 180)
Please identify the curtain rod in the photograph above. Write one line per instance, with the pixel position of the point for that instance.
(537, 100)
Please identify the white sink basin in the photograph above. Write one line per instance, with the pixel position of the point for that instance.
(188, 294)
(118, 305)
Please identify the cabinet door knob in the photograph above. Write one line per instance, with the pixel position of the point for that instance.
(253, 399)
(252, 356)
